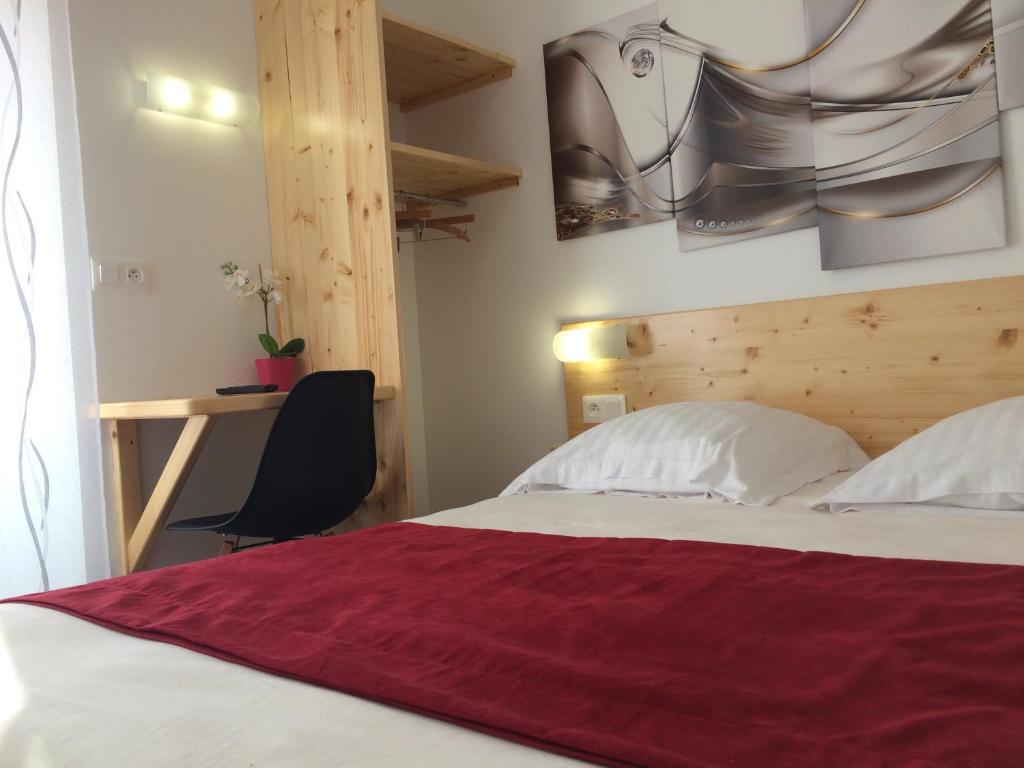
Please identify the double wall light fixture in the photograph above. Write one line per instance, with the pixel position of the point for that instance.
(607, 342)
(166, 93)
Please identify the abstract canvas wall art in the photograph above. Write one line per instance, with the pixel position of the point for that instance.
(606, 115)
(875, 120)
(906, 131)
(1008, 23)
(740, 148)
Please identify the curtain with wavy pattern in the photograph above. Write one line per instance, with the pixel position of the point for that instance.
(51, 519)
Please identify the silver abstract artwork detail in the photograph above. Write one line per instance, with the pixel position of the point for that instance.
(1008, 22)
(876, 121)
(606, 106)
(906, 131)
(739, 116)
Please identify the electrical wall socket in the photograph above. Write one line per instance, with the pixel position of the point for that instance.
(118, 274)
(601, 408)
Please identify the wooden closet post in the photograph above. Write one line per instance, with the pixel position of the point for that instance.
(332, 219)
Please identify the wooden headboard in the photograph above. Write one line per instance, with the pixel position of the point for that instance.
(882, 365)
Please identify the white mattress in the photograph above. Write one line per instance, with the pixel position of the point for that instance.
(72, 693)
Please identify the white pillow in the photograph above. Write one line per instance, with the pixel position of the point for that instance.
(739, 451)
(972, 460)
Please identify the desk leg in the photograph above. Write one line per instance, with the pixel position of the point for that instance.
(124, 435)
(168, 487)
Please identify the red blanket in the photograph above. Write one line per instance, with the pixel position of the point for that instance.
(618, 651)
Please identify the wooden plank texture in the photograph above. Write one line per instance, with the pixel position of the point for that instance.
(425, 66)
(883, 365)
(439, 174)
(332, 222)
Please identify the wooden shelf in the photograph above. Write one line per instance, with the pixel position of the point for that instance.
(438, 174)
(425, 66)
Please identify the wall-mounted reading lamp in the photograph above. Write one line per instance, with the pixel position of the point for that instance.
(166, 93)
(608, 342)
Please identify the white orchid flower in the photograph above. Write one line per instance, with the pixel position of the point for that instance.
(241, 286)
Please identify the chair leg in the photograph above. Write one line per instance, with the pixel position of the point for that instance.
(228, 547)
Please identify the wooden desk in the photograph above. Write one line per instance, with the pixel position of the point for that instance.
(140, 526)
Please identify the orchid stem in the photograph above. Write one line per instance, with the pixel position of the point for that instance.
(263, 298)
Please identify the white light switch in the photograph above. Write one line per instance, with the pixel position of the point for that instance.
(106, 273)
(600, 408)
(117, 274)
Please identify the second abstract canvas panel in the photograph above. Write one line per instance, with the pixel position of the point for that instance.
(875, 120)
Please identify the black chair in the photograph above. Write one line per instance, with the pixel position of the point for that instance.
(319, 463)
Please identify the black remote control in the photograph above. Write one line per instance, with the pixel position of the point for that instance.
(248, 389)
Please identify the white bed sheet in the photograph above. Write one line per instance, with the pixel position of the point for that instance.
(73, 693)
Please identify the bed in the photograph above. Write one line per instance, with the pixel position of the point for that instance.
(107, 698)
(76, 692)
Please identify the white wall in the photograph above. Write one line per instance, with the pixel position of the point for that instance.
(184, 196)
(487, 312)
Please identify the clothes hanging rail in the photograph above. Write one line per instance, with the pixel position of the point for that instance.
(402, 195)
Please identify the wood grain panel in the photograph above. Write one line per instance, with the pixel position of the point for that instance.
(183, 407)
(425, 65)
(124, 439)
(883, 365)
(439, 174)
(333, 238)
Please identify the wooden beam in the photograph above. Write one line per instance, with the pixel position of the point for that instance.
(331, 203)
(124, 436)
(168, 488)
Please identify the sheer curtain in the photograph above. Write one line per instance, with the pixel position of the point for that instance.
(51, 511)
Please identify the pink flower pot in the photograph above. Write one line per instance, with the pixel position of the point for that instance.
(276, 370)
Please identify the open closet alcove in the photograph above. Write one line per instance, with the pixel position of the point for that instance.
(328, 69)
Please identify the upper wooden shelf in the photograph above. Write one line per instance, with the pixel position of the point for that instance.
(185, 407)
(425, 66)
(438, 174)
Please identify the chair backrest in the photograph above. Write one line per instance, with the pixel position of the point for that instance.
(320, 460)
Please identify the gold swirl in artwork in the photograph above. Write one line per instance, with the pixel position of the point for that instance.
(570, 218)
(931, 207)
(986, 54)
(776, 67)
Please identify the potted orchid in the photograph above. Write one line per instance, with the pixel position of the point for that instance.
(279, 367)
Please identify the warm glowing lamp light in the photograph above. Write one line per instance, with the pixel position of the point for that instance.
(582, 344)
(175, 95)
(223, 104)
